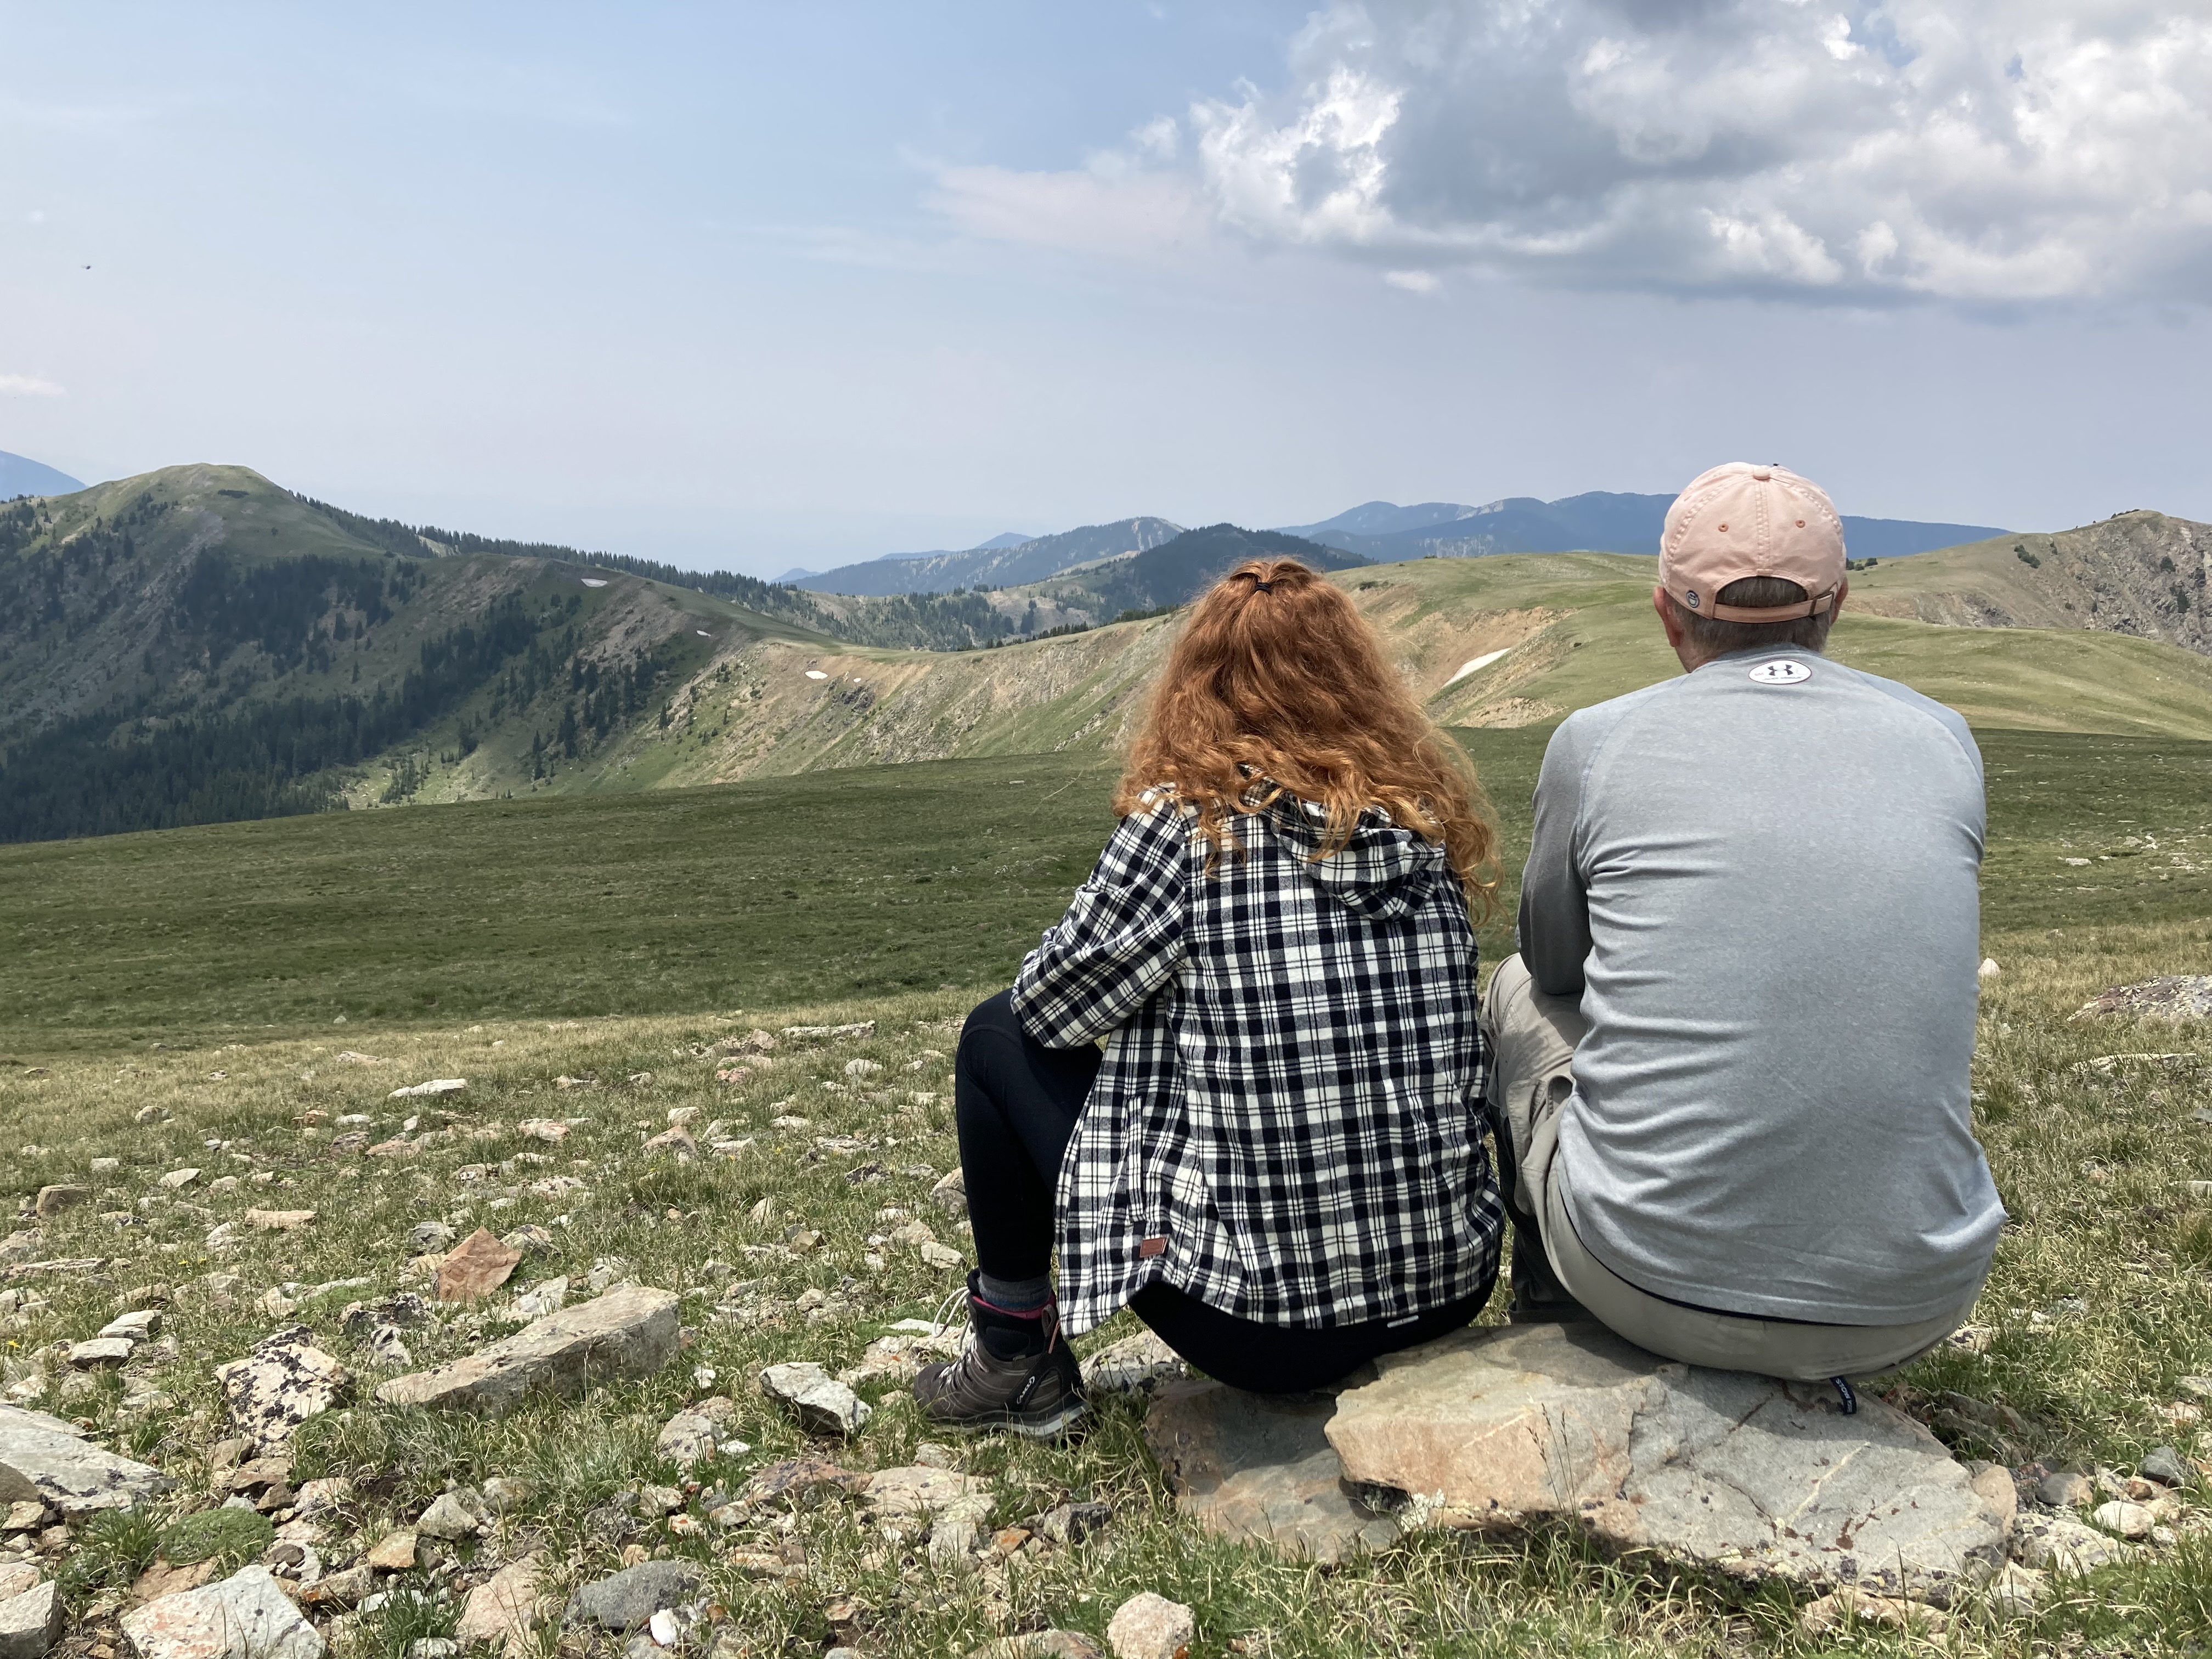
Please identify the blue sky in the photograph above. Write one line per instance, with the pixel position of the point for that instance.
(765, 285)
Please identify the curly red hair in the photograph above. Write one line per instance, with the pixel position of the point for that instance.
(1277, 686)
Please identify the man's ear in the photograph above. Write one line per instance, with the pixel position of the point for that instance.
(1836, 605)
(1667, 620)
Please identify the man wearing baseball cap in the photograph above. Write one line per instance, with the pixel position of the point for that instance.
(1731, 1058)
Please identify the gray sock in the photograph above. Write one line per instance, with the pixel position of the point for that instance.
(1015, 1296)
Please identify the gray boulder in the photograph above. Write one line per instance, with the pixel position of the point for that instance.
(629, 1332)
(2177, 996)
(626, 1600)
(246, 1616)
(44, 1459)
(821, 1404)
(1537, 1424)
(31, 1622)
(282, 1382)
(1259, 1466)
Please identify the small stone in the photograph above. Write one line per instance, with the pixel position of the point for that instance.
(2166, 1465)
(101, 1351)
(505, 1608)
(246, 1615)
(2199, 1386)
(437, 1085)
(801, 1483)
(16, 1577)
(1070, 1523)
(1150, 1626)
(547, 1297)
(952, 1194)
(530, 1240)
(105, 1165)
(428, 1237)
(1135, 1364)
(455, 1514)
(31, 1622)
(279, 1221)
(630, 1331)
(934, 1455)
(1041, 1645)
(2014, 1592)
(1989, 969)
(686, 1438)
(821, 1404)
(2065, 1491)
(172, 1578)
(861, 1068)
(663, 1629)
(346, 1589)
(52, 1200)
(2058, 1542)
(324, 1493)
(942, 1257)
(505, 1494)
(394, 1552)
(284, 1381)
(2129, 1520)
(434, 1647)
(140, 1325)
(476, 1268)
(625, 1600)
(1833, 1611)
(177, 1178)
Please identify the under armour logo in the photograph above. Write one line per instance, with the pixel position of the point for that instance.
(1783, 671)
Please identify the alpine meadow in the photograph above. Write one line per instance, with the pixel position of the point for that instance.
(1282, 830)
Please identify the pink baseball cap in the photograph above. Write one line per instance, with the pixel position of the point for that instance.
(1745, 519)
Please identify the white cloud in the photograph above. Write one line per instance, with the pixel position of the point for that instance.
(1978, 151)
(28, 386)
(1119, 206)
(1414, 282)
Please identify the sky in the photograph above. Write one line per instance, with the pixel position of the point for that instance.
(759, 286)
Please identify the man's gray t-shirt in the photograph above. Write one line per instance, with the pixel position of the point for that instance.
(1762, 880)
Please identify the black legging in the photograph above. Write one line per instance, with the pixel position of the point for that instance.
(1016, 1102)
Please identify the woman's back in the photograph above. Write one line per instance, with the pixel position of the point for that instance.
(1288, 1128)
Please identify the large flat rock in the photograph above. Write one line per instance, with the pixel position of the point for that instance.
(2177, 997)
(1568, 1424)
(246, 1616)
(629, 1332)
(1259, 1466)
(45, 1459)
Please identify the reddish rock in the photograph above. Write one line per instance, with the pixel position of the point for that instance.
(479, 1265)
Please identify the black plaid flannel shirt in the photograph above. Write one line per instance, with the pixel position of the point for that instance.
(1287, 1124)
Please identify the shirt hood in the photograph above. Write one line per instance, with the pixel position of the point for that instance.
(1382, 873)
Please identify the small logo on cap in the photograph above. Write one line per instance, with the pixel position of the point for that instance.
(1783, 671)
(1690, 595)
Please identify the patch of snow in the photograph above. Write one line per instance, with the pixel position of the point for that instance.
(592, 582)
(1473, 662)
(816, 674)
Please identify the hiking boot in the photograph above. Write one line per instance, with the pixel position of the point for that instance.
(1016, 1373)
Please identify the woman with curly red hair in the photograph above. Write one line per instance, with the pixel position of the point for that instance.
(1278, 1158)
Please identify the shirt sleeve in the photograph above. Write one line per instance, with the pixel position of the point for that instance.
(1121, 940)
(1554, 921)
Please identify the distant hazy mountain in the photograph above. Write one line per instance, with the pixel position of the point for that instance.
(22, 476)
(1002, 562)
(1598, 522)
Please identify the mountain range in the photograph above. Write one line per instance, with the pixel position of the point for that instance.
(20, 476)
(1599, 522)
(199, 644)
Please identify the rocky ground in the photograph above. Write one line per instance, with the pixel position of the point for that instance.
(596, 1338)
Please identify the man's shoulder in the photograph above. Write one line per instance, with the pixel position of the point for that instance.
(1583, 733)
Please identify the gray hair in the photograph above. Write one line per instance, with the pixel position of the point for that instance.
(1714, 637)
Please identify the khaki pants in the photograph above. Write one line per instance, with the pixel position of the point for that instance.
(1531, 1043)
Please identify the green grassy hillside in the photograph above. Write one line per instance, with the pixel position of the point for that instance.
(854, 881)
